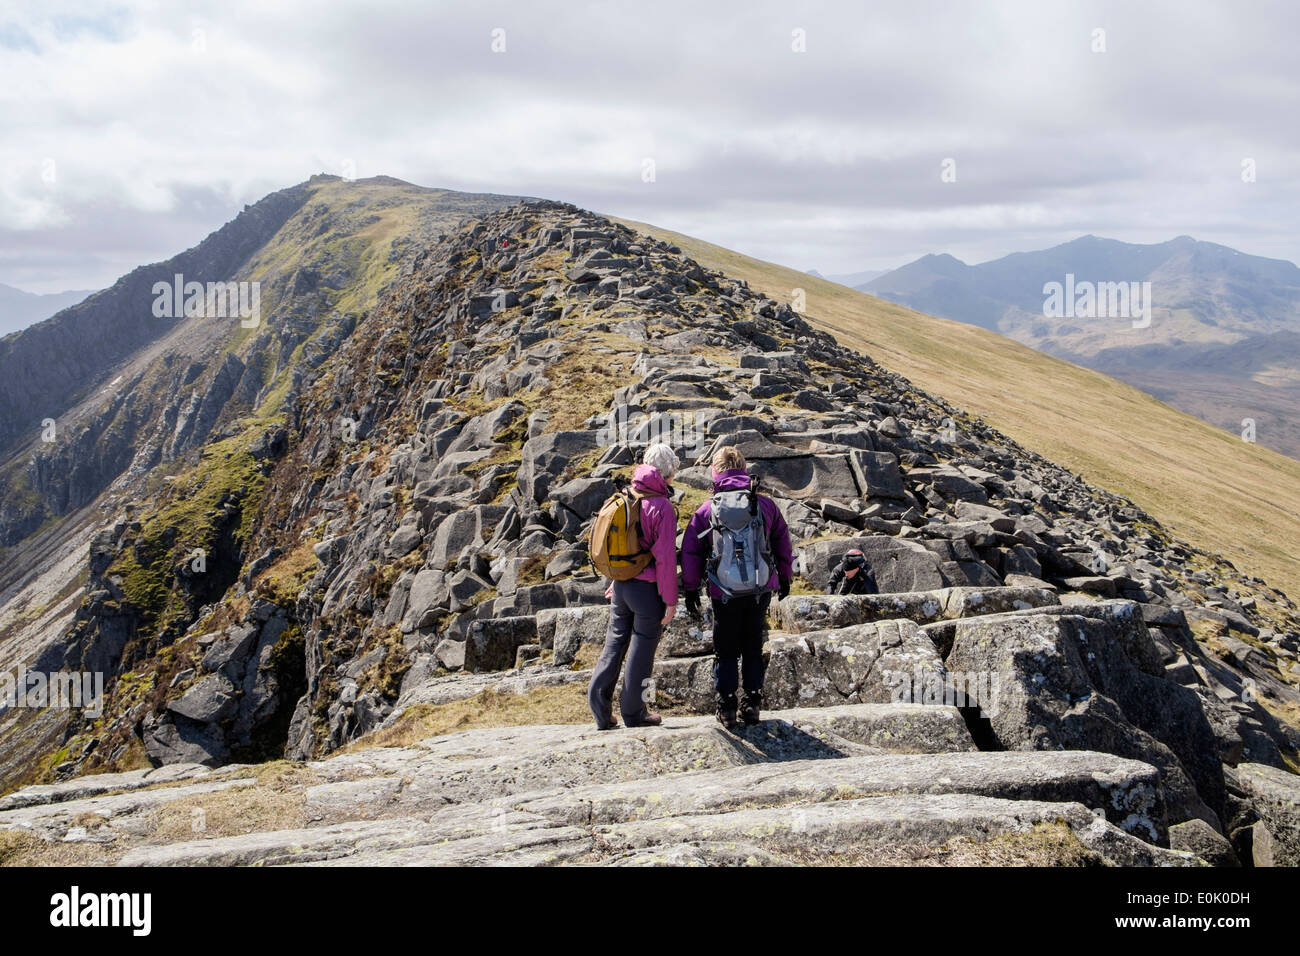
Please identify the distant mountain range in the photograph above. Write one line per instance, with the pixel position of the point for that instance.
(850, 279)
(1221, 340)
(19, 309)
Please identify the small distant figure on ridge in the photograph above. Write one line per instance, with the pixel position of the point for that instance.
(853, 576)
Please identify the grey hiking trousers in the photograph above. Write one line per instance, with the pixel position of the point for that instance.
(634, 629)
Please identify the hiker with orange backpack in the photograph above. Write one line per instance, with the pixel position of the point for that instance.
(738, 540)
(644, 590)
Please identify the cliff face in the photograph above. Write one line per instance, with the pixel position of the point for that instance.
(392, 523)
(133, 412)
(46, 368)
(129, 392)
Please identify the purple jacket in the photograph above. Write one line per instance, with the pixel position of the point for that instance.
(695, 550)
(658, 531)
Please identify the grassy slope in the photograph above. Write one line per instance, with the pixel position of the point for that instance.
(1205, 484)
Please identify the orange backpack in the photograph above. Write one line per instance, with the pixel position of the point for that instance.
(614, 545)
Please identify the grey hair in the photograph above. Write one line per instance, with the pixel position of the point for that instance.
(661, 456)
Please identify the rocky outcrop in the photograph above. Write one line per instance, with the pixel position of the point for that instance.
(805, 786)
(1065, 682)
(1266, 827)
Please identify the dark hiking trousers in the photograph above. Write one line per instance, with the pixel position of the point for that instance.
(634, 624)
(738, 627)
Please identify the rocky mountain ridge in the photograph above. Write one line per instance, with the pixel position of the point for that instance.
(407, 523)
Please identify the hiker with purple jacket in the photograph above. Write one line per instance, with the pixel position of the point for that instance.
(739, 541)
(642, 606)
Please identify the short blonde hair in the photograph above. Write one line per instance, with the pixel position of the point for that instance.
(728, 458)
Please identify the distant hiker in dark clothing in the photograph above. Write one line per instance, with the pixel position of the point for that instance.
(641, 606)
(740, 542)
(853, 576)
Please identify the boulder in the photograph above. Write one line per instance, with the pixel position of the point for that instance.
(1126, 621)
(877, 474)
(545, 457)
(755, 446)
(493, 643)
(480, 431)
(971, 511)
(950, 484)
(566, 562)
(1092, 584)
(584, 496)
(814, 400)
(959, 565)
(807, 477)
(865, 663)
(801, 612)
(1199, 838)
(173, 739)
(686, 636)
(833, 510)
(230, 654)
(525, 601)
(395, 609)
(685, 682)
(1020, 560)
(463, 587)
(455, 533)
(772, 361)
(1274, 795)
(735, 423)
(450, 654)
(429, 593)
(404, 540)
(211, 700)
(568, 628)
(1065, 682)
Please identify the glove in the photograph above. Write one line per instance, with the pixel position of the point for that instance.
(784, 591)
(693, 603)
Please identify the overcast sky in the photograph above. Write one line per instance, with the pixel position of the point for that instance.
(132, 130)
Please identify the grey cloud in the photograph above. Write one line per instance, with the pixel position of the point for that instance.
(826, 159)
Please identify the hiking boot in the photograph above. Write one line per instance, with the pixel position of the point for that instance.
(749, 711)
(646, 720)
(727, 712)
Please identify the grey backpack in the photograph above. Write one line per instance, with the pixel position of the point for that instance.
(740, 563)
